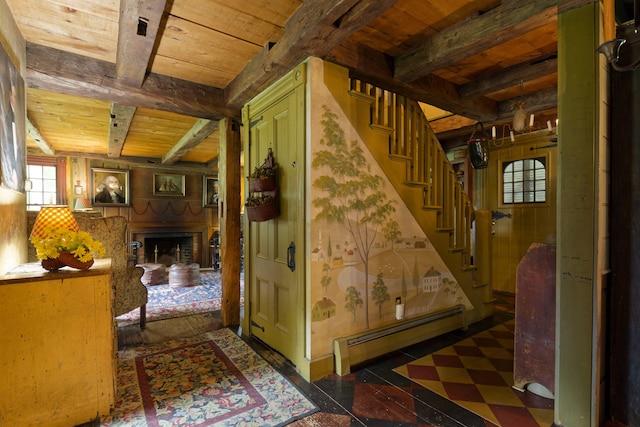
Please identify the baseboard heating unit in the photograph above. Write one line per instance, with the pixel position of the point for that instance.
(350, 351)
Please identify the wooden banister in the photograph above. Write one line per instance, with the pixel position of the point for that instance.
(413, 142)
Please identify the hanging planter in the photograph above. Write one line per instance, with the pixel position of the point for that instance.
(262, 203)
(478, 149)
(263, 212)
(267, 183)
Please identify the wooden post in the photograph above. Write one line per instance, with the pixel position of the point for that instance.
(229, 212)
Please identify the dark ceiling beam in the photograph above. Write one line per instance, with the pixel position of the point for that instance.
(542, 100)
(198, 133)
(509, 77)
(72, 74)
(120, 120)
(141, 162)
(454, 127)
(377, 68)
(473, 36)
(137, 32)
(313, 30)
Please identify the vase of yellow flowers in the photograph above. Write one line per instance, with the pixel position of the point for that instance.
(59, 247)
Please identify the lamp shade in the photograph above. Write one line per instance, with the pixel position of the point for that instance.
(59, 217)
(82, 205)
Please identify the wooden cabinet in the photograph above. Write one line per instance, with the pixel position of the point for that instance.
(57, 362)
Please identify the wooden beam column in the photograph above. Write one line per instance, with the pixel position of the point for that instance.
(229, 218)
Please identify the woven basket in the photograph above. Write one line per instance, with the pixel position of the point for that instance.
(69, 259)
(52, 264)
(262, 212)
(262, 184)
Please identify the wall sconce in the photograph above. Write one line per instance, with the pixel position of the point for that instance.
(58, 217)
(611, 51)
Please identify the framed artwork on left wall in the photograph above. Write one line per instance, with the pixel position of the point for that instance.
(109, 187)
(12, 125)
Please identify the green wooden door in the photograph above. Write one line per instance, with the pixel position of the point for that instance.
(517, 225)
(275, 247)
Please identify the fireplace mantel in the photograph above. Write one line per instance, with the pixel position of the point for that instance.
(200, 233)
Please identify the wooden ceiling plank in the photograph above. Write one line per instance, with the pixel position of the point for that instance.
(313, 30)
(469, 37)
(121, 118)
(509, 77)
(198, 133)
(137, 32)
(42, 143)
(68, 73)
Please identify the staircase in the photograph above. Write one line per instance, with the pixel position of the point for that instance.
(400, 138)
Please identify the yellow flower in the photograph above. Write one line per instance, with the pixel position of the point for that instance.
(54, 241)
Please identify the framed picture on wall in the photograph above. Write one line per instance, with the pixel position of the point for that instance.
(210, 191)
(109, 187)
(168, 185)
(12, 125)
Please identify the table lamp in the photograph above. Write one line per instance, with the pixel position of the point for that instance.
(58, 216)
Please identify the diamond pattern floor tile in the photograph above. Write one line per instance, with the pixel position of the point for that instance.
(477, 374)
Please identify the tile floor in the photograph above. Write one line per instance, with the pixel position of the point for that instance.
(374, 395)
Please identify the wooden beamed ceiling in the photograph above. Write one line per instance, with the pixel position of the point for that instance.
(471, 59)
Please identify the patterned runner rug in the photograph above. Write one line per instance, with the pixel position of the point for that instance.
(206, 380)
(165, 302)
(477, 374)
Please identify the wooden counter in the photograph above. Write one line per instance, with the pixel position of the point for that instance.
(57, 361)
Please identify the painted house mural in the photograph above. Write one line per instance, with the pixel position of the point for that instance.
(367, 249)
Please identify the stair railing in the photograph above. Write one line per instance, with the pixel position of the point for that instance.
(413, 141)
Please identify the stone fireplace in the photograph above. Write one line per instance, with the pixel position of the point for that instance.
(190, 240)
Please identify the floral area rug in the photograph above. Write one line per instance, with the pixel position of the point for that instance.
(165, 302)
(212, 379)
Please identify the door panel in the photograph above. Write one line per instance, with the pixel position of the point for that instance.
(517, 226)
(273, 286)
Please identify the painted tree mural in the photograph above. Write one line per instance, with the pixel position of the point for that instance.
(380, 293)
(353, 301)
(326, 279)
(391, 232)
(353, 196)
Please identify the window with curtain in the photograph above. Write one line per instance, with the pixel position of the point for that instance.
(47, 180)
(524, 181)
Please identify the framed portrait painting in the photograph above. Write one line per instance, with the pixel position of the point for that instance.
(12, 125)
(210, 193)
(168, 185)
(109, 187)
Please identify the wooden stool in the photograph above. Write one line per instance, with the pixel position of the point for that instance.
(182, 275)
